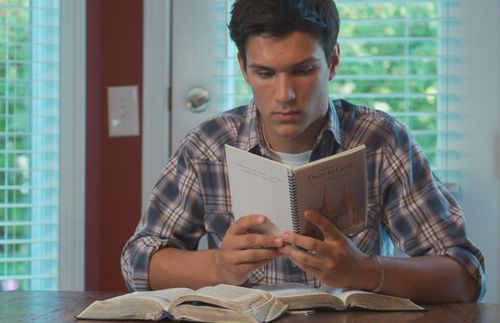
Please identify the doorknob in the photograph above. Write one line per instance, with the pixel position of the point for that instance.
(197, 99)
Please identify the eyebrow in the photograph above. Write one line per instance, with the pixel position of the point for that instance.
(304, 62)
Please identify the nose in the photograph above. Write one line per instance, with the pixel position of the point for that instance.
(284, 89)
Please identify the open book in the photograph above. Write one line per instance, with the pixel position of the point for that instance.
(336, 186)
(304, 297)
(208, 304)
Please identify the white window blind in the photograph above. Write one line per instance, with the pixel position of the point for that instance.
(29, 141)
(395, 58)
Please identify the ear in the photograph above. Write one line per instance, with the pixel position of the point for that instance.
(335, 61)
(243, 68)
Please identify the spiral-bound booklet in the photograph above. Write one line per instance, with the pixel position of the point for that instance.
(335, 186)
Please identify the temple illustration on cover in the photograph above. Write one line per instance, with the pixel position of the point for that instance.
(344, 212)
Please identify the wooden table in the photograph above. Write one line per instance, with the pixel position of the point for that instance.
(63, 306)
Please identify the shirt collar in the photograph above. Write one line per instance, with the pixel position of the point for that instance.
(250, 131)
(255, 141)
(332, 125)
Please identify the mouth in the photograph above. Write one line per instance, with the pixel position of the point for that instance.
(288, 115)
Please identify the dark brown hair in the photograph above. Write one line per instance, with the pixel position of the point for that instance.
(279, 18)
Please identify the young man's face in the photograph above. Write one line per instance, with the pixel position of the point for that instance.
(289, 79)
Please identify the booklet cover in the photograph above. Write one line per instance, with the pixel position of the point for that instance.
(335, 186)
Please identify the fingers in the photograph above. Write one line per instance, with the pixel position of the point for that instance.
(254, 241)
(316, 257)
(335, 260)
(238, 235)
(327, 228)
(245, 223)
(305, 252)
(254, 256)
(243, 249)
(242, 252)
(304, 242)
(234, 266)
(306, 260)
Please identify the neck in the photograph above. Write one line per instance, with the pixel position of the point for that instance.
(298, 144)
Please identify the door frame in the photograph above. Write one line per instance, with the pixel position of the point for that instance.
(156, 93)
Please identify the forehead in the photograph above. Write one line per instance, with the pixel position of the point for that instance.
(291, 48)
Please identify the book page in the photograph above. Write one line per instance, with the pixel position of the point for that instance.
(201, 313)
(163, 296)
(341, 293)
(237, 298)
(267, 311)
(369, 300)
(289, 289)
(301, 296)
(230, 293)
(335, 186)
(125, 309)
(259, 186)
(148, 305)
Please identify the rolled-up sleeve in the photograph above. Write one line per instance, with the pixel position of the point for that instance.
(424, 219)
(173, 218)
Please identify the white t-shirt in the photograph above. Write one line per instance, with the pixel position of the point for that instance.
(293, 159)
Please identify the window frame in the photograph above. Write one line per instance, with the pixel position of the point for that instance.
(72, 146)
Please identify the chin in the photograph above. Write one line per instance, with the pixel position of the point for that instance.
(289, 134)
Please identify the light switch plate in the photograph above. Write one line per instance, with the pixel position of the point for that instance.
(123, 111)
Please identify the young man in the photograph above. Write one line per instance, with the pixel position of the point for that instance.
(288, 53)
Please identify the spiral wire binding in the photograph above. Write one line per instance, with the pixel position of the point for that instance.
(293, 201)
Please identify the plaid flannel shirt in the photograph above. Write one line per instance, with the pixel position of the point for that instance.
(408, 207)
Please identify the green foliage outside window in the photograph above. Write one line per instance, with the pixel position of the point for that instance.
(15, 139)
(390, 61)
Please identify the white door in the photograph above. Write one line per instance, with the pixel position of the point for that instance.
(200, 58)
(200, 53)
(185, 55)
(185, 59)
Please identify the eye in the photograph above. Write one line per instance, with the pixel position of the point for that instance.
(303, 70)
(264, 73)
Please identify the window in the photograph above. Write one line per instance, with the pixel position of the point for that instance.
(29, 144)
(394, 57)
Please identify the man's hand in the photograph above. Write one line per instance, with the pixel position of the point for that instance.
(336, 261)
(243, 252)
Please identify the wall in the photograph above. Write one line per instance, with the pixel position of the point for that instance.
(113, 165)
(479, 108)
